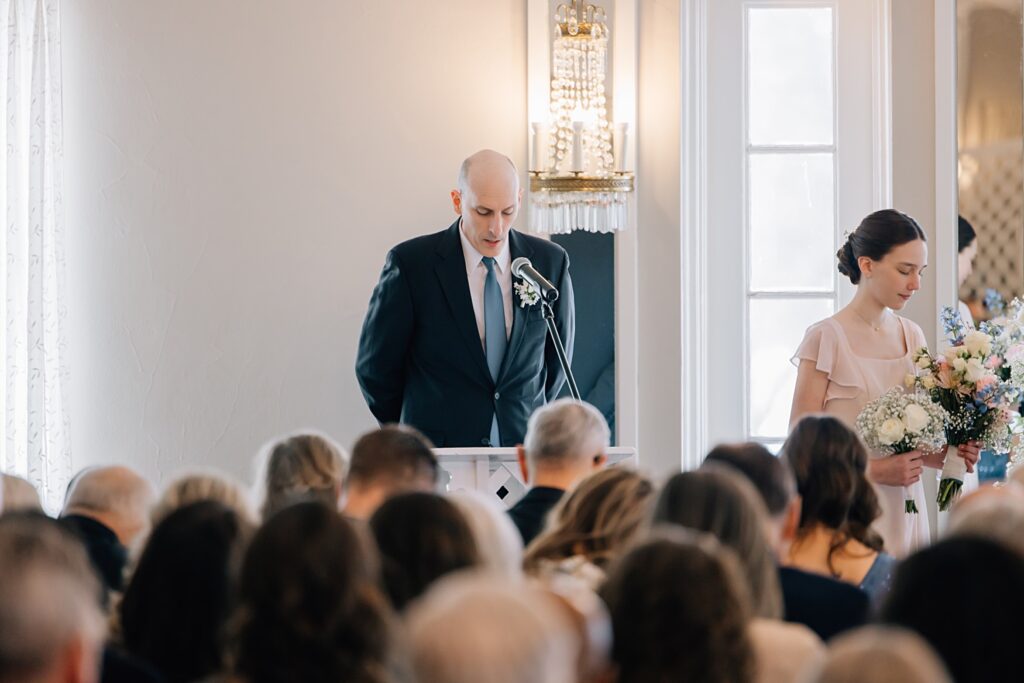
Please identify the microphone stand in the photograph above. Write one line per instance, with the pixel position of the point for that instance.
(549, 318)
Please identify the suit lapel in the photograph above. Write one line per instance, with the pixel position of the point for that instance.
(517, 247)
(451, 271)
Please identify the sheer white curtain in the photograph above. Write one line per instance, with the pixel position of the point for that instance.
(33, 344)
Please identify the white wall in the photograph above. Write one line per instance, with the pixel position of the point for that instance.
(913, 137)
(235, 172)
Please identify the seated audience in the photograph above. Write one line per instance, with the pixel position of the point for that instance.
(108, 508)
(19, 495)
(680, 611)
(421, 537)
(497, 539)
(197, 487)
(821, 603)
(565, 441)
(992, 512)
(592, 525)
(182, 591)
(723, 503)
(475, 628)
(51, 628)
(301, 468)
(881, 655)
(385, 462)
(309, 606)
(965, 596)
(838, 506)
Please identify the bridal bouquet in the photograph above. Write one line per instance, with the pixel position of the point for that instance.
(981, 405)
(899, 422)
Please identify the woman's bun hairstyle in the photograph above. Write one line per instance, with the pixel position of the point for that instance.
(877, 235)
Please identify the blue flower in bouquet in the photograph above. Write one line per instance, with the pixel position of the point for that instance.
(994, 302)
(953, 325)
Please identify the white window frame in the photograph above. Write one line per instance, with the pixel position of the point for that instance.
(698, 386)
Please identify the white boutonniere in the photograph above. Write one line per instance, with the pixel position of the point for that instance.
(528, 294)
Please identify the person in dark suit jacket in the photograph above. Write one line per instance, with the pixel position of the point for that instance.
(424, 358)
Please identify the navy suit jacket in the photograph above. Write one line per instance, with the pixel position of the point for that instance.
(420, 359)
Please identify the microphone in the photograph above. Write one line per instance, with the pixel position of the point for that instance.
(522, 268)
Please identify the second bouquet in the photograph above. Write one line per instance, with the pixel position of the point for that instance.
(899, 422)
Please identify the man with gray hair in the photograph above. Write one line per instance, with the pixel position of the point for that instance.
(565, 441)
(108, 508)
(453, 343)
(51, 629)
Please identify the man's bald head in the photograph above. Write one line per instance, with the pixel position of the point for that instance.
(487, 166)
(487, 198)
(115, 496)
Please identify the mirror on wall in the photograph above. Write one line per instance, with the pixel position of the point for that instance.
(990, 142)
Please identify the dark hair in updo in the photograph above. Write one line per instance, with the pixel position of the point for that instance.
(964, 234)
(877, 235)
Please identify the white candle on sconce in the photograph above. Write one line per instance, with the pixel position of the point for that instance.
(540, 146)
(619, 148)
(577, 146)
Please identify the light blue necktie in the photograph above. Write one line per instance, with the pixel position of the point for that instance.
(494, 334)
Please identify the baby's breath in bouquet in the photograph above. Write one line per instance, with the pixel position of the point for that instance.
(900, 422)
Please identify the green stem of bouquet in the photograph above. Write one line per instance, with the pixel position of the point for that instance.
(949, 491)
(910, 506)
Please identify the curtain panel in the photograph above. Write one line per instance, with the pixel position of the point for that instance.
(33, 343)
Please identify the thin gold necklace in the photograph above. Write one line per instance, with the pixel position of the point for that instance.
(878, 328)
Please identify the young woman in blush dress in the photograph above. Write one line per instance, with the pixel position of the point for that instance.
(853, 357)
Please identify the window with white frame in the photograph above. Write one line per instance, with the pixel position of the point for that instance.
(791, 162)
(789, 147)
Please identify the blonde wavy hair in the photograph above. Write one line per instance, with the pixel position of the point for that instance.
(201, 486)
(596, 520)
(306, 466)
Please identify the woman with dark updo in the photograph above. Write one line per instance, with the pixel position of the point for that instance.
(865, 349)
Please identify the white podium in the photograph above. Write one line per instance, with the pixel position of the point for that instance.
(495, 471)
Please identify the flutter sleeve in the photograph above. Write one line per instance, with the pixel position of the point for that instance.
(826, 350)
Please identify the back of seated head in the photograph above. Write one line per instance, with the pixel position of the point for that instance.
(396, 457)
(497, 539)
(964, 595)
(477, 628)
(830, 464)
(302, 467)
(996, 513)
(309, 604)
(182, 590)
(203, 486)
(117, 496)
(679, 609)
(421, 537)
(880, 654)
(566, 434)
(597, 520)
(49, 610)
(19, 495)
(724, 504)
(771, 477)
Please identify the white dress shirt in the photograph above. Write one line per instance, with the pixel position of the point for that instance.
(476, 272)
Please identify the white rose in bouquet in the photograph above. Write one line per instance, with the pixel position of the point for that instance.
(975, 370)
(915, 418)
(978, 343)
(959, 364)
(891, 431)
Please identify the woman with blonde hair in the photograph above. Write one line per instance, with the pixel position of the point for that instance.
(302, 467)
(201, 486)
(591, 526)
